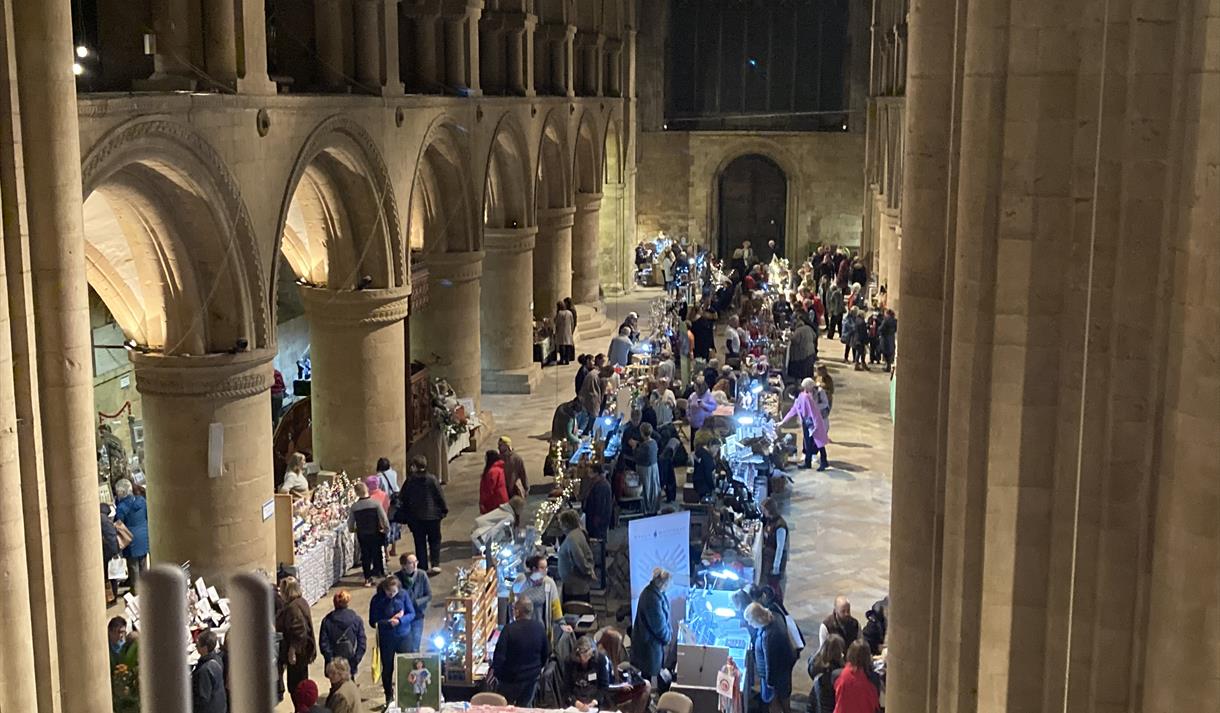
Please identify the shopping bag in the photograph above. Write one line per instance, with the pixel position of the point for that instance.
(124, 535)
(375, 667)
(116, 568)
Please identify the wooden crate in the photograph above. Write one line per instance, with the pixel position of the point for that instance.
(478, 612)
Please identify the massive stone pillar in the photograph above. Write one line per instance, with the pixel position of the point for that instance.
(427, 75)
(553, 259)
(586, 224)
(377, 46)
(359, 377)
(445, 334)
(207, 454)
(615, 265)
(42, 33)
(507, 322)
(220, 40)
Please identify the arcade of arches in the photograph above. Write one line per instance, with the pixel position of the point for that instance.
(344, 193)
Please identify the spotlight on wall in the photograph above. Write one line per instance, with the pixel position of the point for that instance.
(365, 282)
(305, 283)
(665, 126)
(77, 68)
(844, 126)
(242, 344)
(82, 51)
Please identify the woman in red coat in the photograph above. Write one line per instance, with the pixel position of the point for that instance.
(856, 691)
(493, 492)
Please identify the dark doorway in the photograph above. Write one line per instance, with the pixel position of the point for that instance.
(753, 202)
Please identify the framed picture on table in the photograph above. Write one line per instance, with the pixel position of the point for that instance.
(417, 681)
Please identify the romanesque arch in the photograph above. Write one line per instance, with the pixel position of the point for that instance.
(442, 209)
(339, 218)
(587, 174)
(613, 254)
(508, 190)
(772, 153)
(555, 207)
(169, 243)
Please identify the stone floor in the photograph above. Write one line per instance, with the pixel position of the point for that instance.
(839, 518)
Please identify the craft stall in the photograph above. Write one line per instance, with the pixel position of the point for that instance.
(312, 534)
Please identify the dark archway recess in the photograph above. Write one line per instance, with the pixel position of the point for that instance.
(753, 205)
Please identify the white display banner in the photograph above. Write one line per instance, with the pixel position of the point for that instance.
(661, 541)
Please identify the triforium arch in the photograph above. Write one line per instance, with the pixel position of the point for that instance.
(555, 206)
(169, 241)
(792, 175)
(339, 233)
(170, 247)
(444, 237)
(509, 234)
(587, 178)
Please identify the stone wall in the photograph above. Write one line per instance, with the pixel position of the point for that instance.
(679, 172)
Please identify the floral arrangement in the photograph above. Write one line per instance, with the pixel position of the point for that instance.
(447, 414)
(125, 689)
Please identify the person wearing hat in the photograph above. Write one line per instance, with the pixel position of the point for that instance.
(305, 698)
(341, 634)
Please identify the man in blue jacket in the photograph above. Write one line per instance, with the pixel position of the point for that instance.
(342, 633)
(390, 614)
(415, 583)
(650, 635)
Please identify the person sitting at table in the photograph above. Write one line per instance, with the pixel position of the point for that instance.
(629, 691)
(586, 677)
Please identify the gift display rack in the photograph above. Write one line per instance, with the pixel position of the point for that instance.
(470, 623)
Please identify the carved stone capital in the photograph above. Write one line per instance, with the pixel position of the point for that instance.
(509, 240)
(454, 267)
(588, 202)
(225, 377)
(355, 308)
(552, 219)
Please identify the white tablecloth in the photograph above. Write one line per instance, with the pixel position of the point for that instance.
(320, 567)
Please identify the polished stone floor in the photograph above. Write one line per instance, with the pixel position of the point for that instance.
(839, 518)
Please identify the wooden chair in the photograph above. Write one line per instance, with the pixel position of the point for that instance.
(672, 702)
(487, 698)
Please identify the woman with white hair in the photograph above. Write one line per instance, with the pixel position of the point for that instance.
(132, 510)
(813, 425)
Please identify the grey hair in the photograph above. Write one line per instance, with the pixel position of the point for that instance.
(807, 384)
(122, 488)
(757, 615)
(340, 666)
(584, 645)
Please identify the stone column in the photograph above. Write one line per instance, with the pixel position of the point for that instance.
(445, 333)
(171, 59)
(377, 46)
(527, 54)
(359, 377)
(207, 455)
(615, 258)
(586, 225)
(425, 52)
(42, 39)
(455, 53)
(507, 319)
(520, 43)
(494, 70)
(553, 259)
(329, 25)
(614, 81)
(220, 41)
(251, 22)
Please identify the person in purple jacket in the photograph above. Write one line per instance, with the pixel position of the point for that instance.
(391, 613)
(813, 425)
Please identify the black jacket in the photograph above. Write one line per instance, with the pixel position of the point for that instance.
(588, 683)
(422, 499)
(521, 651)
(110, 536)
(337, 625)
(704, 474)
(208, 685)
(599, 509)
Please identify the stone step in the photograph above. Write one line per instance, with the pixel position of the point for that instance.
(514, 381)
(591, 322)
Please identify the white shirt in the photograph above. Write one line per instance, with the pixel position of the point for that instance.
(733, 341)
(294, 481)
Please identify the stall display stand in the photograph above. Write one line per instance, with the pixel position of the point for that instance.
(470, 619)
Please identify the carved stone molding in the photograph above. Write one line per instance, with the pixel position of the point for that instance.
(152, 136)
(454, 267)
(509, 240)
(552, 219)
(226, 377)
(355, 308)
(588, 202)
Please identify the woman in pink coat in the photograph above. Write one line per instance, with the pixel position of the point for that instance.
(813, 424)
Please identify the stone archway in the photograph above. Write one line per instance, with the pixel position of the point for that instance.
(171, 252)
(555, 210)
(752, 205)
(341, 240)
(587, 177)
(444, 238)
(615, 263)
(508, 271)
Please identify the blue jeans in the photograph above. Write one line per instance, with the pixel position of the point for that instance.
(416, 636)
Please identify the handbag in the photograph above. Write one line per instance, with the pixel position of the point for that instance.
(124, 535)
(116, 568)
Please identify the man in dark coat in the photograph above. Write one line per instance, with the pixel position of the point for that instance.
(703, 475)
(521, 652)
(841, 622)
(208, 678)
(423, 507)
(651, 632)
(598, 505)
